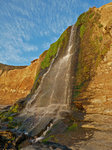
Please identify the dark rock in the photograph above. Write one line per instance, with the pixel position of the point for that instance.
(22, 137)
(46, 146)
(58, 127)
(41, 127)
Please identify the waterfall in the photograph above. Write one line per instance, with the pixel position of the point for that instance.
(39, 88)
(54, 92)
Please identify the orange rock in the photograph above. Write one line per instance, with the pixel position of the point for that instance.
(16, 81)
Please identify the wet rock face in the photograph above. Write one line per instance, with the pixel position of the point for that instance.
(96, 96)
(47, 146)
(91, 126)
(101, 86)
(7, 140)
(54, 93)
(16, 141)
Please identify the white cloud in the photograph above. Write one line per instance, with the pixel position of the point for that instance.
(24, 22)
(12, 56)
(12, 36)
(46, 45)
(29, 48)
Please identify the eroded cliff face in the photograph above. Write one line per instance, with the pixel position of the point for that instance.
(16, 82)
(93, 83)
(88, 124)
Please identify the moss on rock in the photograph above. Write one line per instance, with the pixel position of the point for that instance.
(92, 50)
(61, 43)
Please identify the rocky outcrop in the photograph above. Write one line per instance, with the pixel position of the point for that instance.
(16, 82)
(94, 84)
(89, 125)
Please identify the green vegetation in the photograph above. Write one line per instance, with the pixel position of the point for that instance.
(14, 109)
(100, 25)
(9, 116)
(77, 89)
(83, 20)
(100, 38)
(91, 15)
(91, 50)
(48, 139)
(61, 43)
(82, 30)
(72, 127)
(50, 54)
(37, 79)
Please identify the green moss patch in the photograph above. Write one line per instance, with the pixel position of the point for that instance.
(49, 138)
(72, 127)
(83, 20)
(50, 54)
(8, 117)
(82, 30)
(61, 43)
(100, 25)
(92, 50)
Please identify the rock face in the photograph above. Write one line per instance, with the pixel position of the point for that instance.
(17, 82)
(84, 83)
(54, 93)
(96, 96)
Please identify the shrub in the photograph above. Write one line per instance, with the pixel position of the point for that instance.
(100, 25)
(81, 19)
(82, 30)
(100, 38)
(91, 15)
(14, 109)
(48, 139)
(72, 127)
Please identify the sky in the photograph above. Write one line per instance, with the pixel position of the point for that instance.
(28, 27)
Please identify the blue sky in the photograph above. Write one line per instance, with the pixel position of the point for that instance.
(28, 27)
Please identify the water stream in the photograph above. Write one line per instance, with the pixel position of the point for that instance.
(54, 92)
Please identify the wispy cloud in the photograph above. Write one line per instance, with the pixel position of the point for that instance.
(27, 26)
(15, 35)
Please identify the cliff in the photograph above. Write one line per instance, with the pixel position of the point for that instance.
(71, 97)
(93, 81)
(16, 82)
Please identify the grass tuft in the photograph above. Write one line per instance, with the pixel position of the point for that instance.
(73, 127)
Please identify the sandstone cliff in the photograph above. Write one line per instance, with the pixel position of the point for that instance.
(93, 85)
(16, 82)
(89, 125)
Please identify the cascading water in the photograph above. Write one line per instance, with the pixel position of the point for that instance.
(54, 92)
